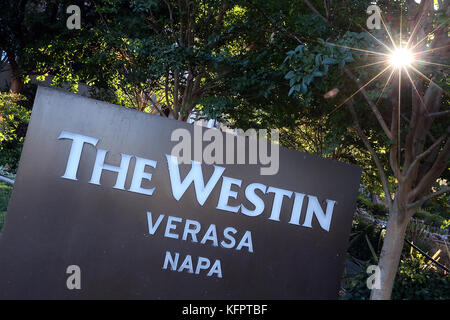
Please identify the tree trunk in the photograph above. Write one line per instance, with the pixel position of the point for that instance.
(391, 252)
(16, 85)
(16, 81)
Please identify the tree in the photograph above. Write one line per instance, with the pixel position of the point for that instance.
(304, 106)
(165, 57)
(25, 27)
(412, 114)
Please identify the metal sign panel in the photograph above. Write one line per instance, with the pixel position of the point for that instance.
(101, 210)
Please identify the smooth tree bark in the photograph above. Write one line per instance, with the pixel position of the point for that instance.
(391, 252)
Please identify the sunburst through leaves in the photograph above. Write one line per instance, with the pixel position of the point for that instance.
(399, 57)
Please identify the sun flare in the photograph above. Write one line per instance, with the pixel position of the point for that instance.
(401, 57)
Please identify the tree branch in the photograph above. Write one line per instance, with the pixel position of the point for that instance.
(176, 86)
(427, 132)
(422, 156)
(280, 28)
(409, 141)
(166, 94)
(438, 114)
(371, 104)
(309, 4)
(395, 148)
(419, 202)
(383, 178)
(430, 177)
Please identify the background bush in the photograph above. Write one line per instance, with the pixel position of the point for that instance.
(433, 219)
(5, 193)
(416, 277)
(363, 232)
(376, 209)
(415, 280)
(14, 117)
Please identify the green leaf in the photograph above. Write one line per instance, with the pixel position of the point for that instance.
(329, 60)
(371, 249)
(299, 49)
(289, 75)
(318, 74)
(291, 91)
(318, 60)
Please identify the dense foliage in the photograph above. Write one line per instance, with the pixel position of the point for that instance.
(13, 118)
(252, 64)
(416, 280)
(5, 193)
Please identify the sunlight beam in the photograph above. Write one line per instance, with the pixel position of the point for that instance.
(428, 79)
(357, 49)
(417, 92)
(357, 91)
(430, 50)
(434, 63)
(372, 64)
(385, 86)
(387, 31)
(429, 34)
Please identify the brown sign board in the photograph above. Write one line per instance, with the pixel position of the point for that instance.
(155, 229)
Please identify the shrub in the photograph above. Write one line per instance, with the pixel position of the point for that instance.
(434, 220)
(14, 117)
(419, 279)
(355, 288)
(376, 209)
(361, 233)
(421, 215)
(5, 193)
(415, 280)
(379, 209)
(363, 202)
(2, 219)
(418, 233)
(445, 224)
(416, 277)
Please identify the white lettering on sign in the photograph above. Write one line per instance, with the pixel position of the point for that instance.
(226, 193)
(139, 175)
(100, 165)
(314, 208)
(195, 175)
(227, 236)
(73, 162)
(202, 263)
(229, 189)
(76, 149)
